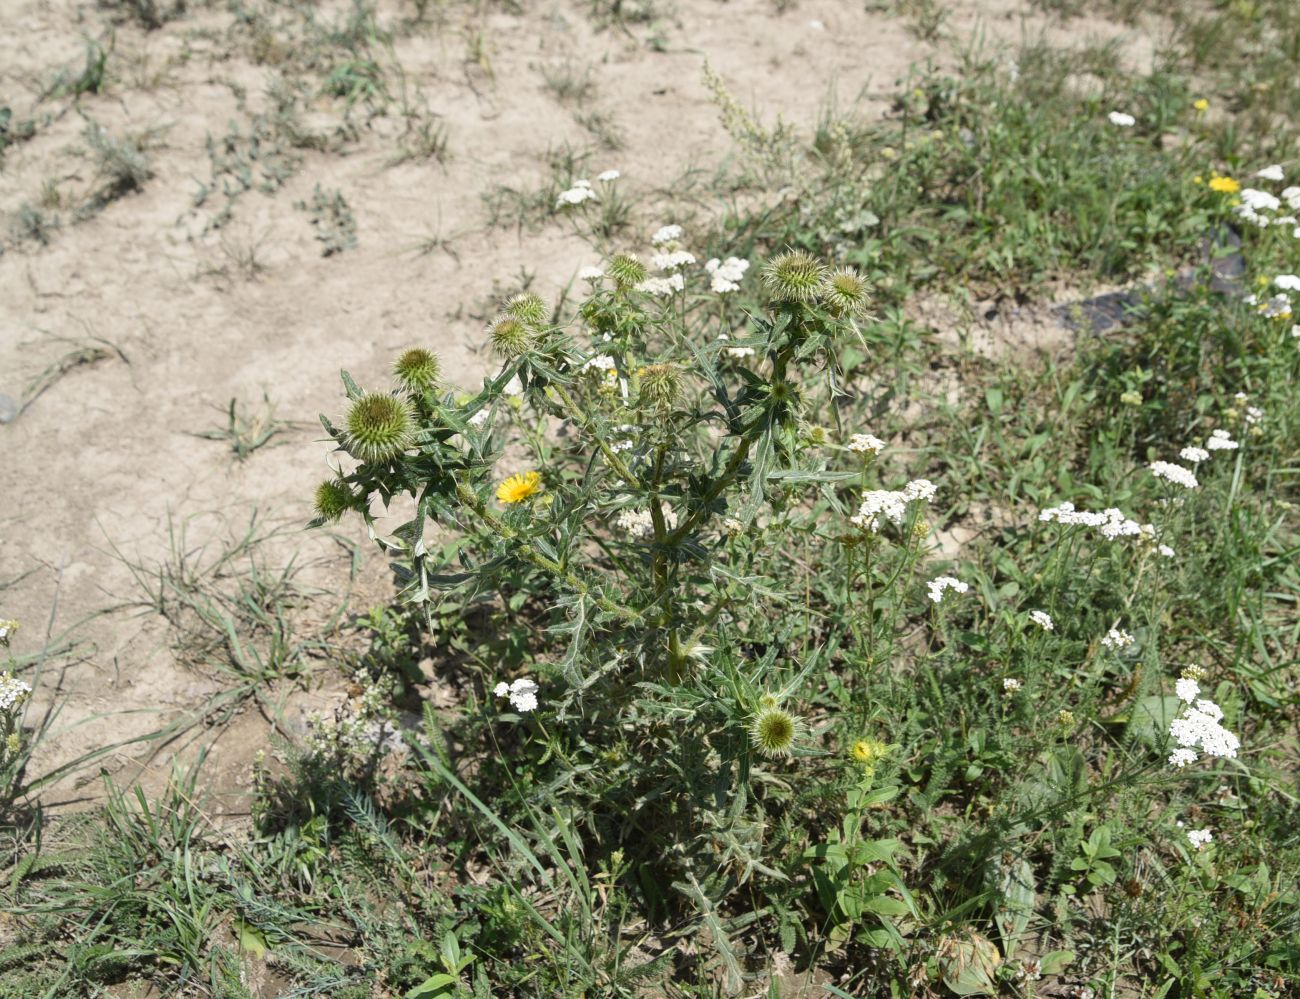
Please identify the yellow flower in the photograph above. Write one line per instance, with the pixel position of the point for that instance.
(1201, 104)
(519, 487)
(1224, 185)
(868, 750)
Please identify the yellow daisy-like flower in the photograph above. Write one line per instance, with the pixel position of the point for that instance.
(868, 750)
(1201, 104)
(1224, 185)
(519, 487)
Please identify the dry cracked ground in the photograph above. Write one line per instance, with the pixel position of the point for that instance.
(223, 205)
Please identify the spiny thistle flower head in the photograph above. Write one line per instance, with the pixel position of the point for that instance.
(846, 293)
(661, 386)
(333, 499)
(627, 270)
(380, 427)
(511, 337)
(529, 307)
(794, 276)
(417, 370)
(773, 731)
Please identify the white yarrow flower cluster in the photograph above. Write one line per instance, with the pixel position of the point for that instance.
(1110, 523)
(1187, 689)
(639, 524)
(1010, 685)
(590, 274)
(726, 274)
(666, 234)
(942, 584)
(1221, 440)
(866, 444)
(660, 286)
(1042, 619)
(1199, 838)
(1198, 727)
(1121, 119)
(672, 260)
(13, 692)
(580, 191)
(608, 176)
(1273, 172)
(880, 505)
(522, 694)
(1176, 474)
(601, 362)
(1194, 454)
(1287, 282)
(1117, 638)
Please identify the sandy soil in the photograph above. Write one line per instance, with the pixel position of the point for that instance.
(166, 326)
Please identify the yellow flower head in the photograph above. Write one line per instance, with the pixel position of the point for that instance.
(519, 487)
(868, 750)
(1201, 104)
(1224, 185)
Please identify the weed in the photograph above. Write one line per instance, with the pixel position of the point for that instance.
(336, 229)
(246, 432)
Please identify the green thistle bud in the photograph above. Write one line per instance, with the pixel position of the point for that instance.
(511, 336)
(333, 500)
(795, 276)
(380, 427)
(529, 308)
(773, 732)
(661, 386)
(846, 293)
(627, 270)
(417, 370)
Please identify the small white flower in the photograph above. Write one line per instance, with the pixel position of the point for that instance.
(1182, 757)
(672, 261)
(1194, 454)
(1121, 119)
(1295, 332)
(866, 444)
(608, 176)
(1199, 838)
(1253, 414)
(726, 274)
(590, 274)
(1042, 619)
(601, 362)
(1277, 307)
(1010, 685)
(939, 585)
(1117, 639)
(575, 195)
(522, 694)
(1199, 726)
(1273, 172)
(1221, 440)
(1165, 551)
(1187, 689)
(660, 286)
(1287, 282)
(920, 489)
(13, 692)
(1291, 195)
(666, 234)
(1174, 473)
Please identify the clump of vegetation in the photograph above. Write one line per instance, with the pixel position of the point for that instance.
(753, 636)
(336, 228)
